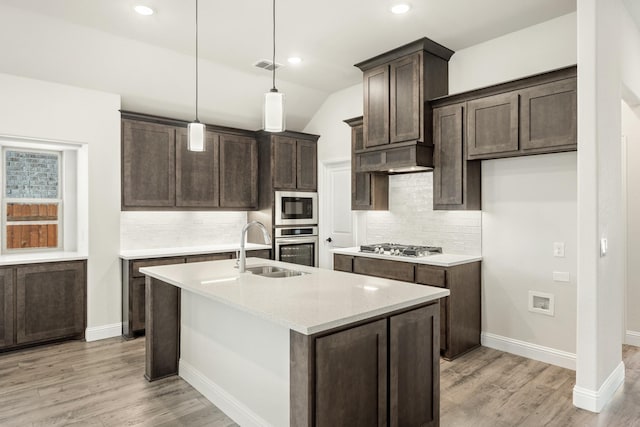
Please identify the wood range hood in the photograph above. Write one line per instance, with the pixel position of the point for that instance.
(397, 123)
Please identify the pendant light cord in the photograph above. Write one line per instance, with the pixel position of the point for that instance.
(197, 60)
(273, 62)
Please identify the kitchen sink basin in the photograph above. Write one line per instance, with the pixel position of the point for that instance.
(272, 271)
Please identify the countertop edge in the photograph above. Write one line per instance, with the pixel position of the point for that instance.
(428, 260)
(132, 254)
(19, 259)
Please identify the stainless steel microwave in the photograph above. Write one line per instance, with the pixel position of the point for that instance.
(296, 208)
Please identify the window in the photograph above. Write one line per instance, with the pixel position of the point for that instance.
(33, 201)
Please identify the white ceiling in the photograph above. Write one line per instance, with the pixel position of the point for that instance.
(330, 36)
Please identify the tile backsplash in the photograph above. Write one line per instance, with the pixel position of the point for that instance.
(412, 220)
(151, 230)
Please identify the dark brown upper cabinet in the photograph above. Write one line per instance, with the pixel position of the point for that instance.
(396, 86)
(160, 173)
(293, 163)
(548, 116)
(197, 173)
(493, 125)
(368, 191)
(148, 154)
(238, 172)
(534, 115)
(456, 181)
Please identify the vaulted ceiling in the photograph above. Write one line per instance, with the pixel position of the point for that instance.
(149, 60)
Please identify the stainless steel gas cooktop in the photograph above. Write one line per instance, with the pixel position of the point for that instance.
(401, 250)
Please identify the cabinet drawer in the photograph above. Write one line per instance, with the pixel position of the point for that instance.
(137, 265)
(343, 263)
(432, 276)
(396, 270)
(260, 253)
(209, 257)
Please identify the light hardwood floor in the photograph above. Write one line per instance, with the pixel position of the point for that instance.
(102, 384)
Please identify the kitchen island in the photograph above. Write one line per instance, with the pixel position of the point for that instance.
(320, 348)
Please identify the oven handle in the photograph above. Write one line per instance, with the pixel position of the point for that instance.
(297, 240)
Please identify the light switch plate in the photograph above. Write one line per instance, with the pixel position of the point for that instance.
(558, 249)
(561, 276)
(603, 246)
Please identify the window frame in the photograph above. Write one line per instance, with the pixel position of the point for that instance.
(7, 200)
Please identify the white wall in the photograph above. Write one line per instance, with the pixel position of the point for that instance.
(37, 109)
(631, 130)
(150, 230)
(527, 204)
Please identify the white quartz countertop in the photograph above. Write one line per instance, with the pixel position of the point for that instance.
(36, 257)
(440, 260)
(311, 303)
(187, 250)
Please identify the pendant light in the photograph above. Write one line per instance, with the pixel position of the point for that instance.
(196, 130)
(273, 109)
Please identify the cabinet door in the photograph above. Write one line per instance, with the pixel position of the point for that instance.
(6, 307)
(258, 253)
(549, 116)
(448, 159)
(343, 263)
(396, 270)
(405, 106)
(376, 106)
(351, 377)
(148, 164)
(414, 374)
(368, 191)
(306, 165)
(197, 175)
(492, 125)
(50, 301)
(238, 172)
(283, 159)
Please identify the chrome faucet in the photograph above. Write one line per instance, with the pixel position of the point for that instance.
(243, 236)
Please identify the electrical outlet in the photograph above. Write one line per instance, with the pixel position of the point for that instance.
(558, 249)
(561, 276)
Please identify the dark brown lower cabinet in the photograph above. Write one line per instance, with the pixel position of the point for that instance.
(133, 284)
(460, 317)
(382, 373)
(351, 377)
(6, 307)
(50, 301)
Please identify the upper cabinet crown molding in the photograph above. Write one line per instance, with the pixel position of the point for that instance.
(396, 86)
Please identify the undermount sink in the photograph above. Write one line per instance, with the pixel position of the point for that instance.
(272, 271)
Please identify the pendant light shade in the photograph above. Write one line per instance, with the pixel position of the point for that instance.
(273, 117)
(273, 114)
(195, 136)
(196, 131)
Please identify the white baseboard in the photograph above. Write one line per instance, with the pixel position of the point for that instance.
(228, 404)
(531, 351)
(632, 338)
(594, 401)
(102, 332)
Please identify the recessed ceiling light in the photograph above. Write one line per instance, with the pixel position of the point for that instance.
(294, 60)
(400, 8)
(143, 10)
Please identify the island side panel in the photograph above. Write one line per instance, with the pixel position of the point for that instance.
(162, 345)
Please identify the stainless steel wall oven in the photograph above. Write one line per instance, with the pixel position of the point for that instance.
(297, 245)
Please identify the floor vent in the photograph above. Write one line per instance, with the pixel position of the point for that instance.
(266, 64)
